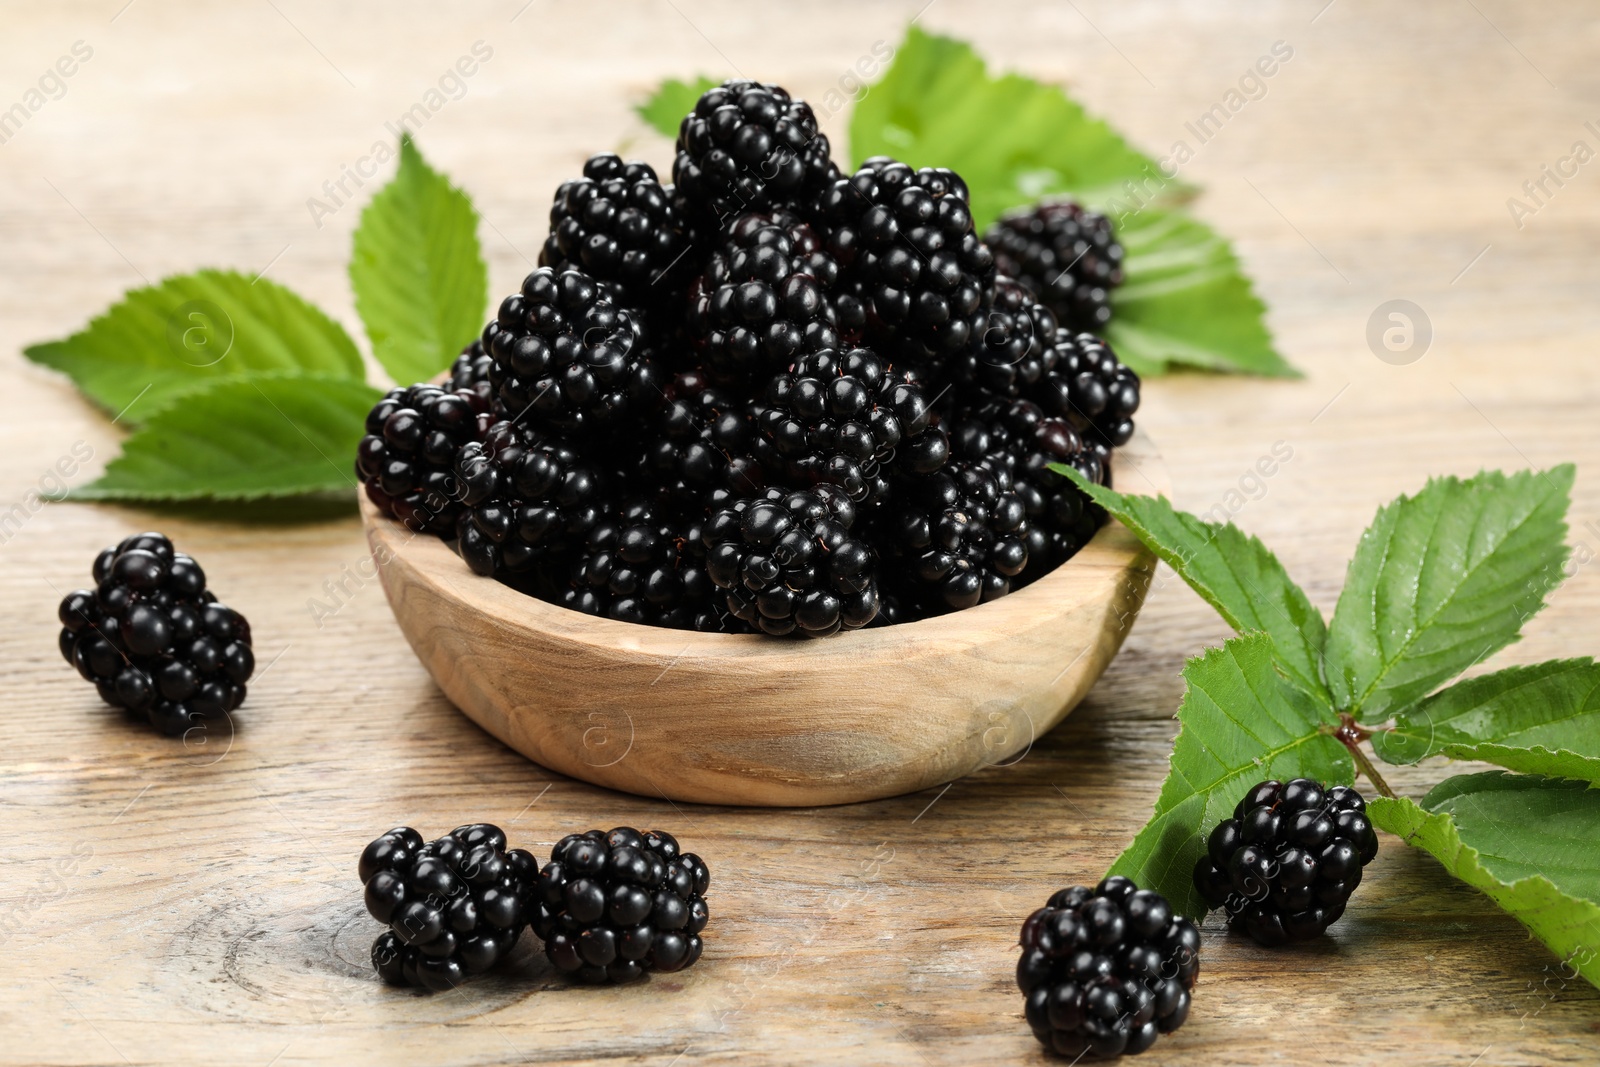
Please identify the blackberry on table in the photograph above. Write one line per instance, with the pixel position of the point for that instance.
(565, 357)
(748, 146)
(843, 418)
(788, 564)
(1088, 384)
(529, 498)
(454, 906)
(407, 459)
(763, 298)
(1065, 255)
(905, 238)
(1106, 971)
(1285, 864)
(618, 224)
(612, 906)
(153, 639)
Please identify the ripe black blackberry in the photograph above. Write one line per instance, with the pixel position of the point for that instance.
(1087, 383)
(565, 357)
(407, 459)
(1105, 972)
(747, 146)
(905, 238)
(957, 537)
(612, 906)
(1067, 258)
(1014, 348)
(843, 418)
(788, 564)
(529, 499)
(470, 372)
(638, 567)
(1286, 863)
(454, 906)
(763, 299)
(154, 640)
(618, 224)
(703, 443)
(1016, 438)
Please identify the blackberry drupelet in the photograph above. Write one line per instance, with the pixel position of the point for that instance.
(407, 459)
(618, 224)
(788, 564)
(745, 147)
(1014, 348)
(636, 567)
(154, 640)
(565, 357)
(1286, 863)
(904, 239)
(1088, 384)
(530, 499)
(612, 906)
(1105, 972)
(454, 906)
(1067, 258)
(763, 299)
(843, 418)
(958, 537)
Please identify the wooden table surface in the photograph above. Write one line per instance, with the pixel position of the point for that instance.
(212, 914)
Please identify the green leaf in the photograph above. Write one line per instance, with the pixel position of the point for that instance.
(243, 439)
(1525, 841)
(1239, 725)
(1012, 139)
(420, 281)
(1543, 719)
(672, 100)
(190, 331)
(1441, 580)
(1233, 572)
(1185, 299)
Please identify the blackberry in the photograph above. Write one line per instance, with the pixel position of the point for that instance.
(703, 443)
(612, 906)
(904, 238)
(470, 372)
(529, 499)
(565, 357)
(842, 418)
(637, 568)
(959, 536)
(1086, 383)
(748, 146)
(788, 564)
(152, 638)
(618, 224)
(1286, 863)
(407, 459)
(1067, 258)
(763, 298)
(1014, 348)
(1017, 439)
(1106, 971)
(454, 906)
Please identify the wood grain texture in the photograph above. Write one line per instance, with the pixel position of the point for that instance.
(182, 903)
(726, 719)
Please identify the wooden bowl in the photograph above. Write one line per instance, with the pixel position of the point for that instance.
(725, 719)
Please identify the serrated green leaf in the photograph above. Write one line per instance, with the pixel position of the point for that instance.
(1233, 572)
(1527, 842)
(190, 331)
(1012, 139)
(1542, 719)
(420, 282)
(672, 100)
(244, 439)
(1439, 581)
(1240, 724)
(1185, 299)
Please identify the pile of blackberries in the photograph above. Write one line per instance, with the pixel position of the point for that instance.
(154, 640)
(609, 906)
(770, 396)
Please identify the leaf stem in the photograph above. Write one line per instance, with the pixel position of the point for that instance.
(1351, 733)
